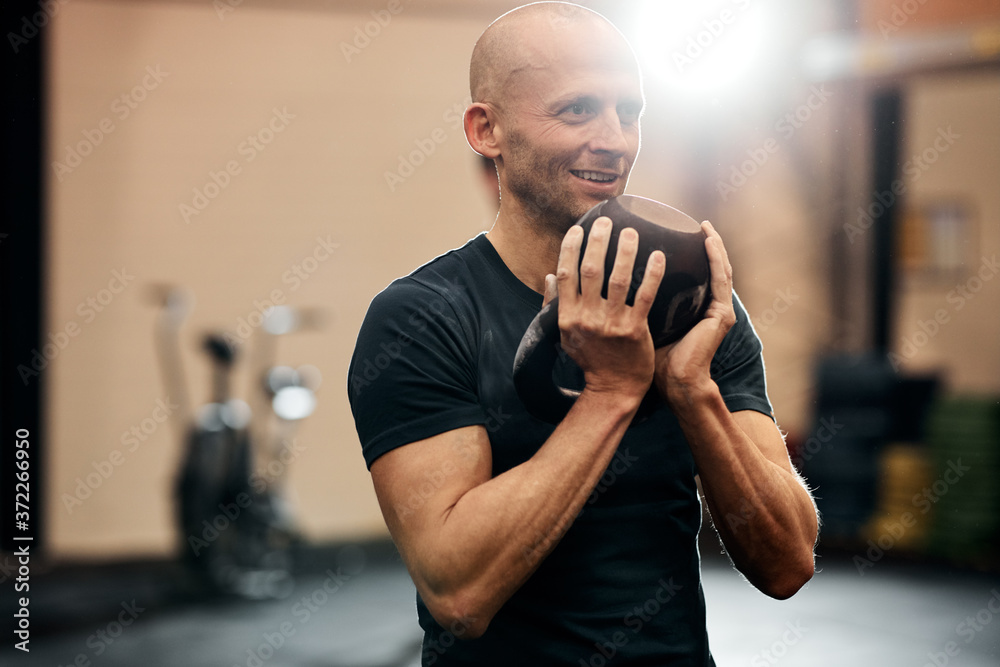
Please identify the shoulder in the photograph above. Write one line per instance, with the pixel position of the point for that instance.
(435, 306)
(738, 366)
(741, 345)
(445, 282)
(413, 373)
(744, 325)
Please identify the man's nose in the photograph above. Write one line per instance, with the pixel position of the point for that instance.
(608, 135)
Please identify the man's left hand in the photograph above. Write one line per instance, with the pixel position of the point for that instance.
(682, 368)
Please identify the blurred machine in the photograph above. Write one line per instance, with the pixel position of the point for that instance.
(236, 529)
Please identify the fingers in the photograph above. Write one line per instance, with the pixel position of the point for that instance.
(592, 267)
(566, 273)
(570, 282)
(656, 266)
(718, 262)
(551, 289)
(621, 274)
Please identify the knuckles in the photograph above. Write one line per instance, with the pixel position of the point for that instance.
(619, 283)
(582, 326)
(644, 298)
(591, 270)
(591, 323)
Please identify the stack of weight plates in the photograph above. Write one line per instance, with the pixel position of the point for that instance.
(964, 498)
(906, 469)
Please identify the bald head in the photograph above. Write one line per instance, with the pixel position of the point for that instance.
(556, 100)
(522, 38)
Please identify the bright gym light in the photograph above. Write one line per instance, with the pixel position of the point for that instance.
(703, 48)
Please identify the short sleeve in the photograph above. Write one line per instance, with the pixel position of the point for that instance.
(412, 375)
(738, 366)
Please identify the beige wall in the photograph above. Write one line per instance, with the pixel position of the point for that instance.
(323, 176)
(950, 322)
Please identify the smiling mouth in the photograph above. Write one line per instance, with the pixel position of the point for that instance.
(594, 176)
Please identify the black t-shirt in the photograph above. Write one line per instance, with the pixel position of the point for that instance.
(623, 586)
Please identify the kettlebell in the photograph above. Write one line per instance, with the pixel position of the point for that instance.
(681, 300)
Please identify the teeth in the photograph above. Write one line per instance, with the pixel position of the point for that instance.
(594, 176)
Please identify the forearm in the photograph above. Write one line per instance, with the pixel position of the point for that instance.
(764, 514)
(496, 534)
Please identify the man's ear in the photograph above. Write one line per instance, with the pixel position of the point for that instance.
(480, 129)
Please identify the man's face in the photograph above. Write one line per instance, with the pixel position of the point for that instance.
(571, 126)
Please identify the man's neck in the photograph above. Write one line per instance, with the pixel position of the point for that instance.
(530, 250)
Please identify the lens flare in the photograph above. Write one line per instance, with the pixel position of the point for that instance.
(701, 48)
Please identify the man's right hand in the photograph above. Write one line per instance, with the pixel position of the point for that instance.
(607, 338)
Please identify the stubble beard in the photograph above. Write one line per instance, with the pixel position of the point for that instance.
(549, 209)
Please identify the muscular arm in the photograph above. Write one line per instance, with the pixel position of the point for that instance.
(474, 540)
(760, 506)
(763, 512)
(471, 540)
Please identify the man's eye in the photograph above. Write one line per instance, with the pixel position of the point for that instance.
(628, 114)
(578, 109)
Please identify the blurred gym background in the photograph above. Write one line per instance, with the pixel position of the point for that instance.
(175, 168)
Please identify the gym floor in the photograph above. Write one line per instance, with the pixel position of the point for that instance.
(358, 611)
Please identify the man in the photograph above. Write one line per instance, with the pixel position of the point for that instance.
(576, 544)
